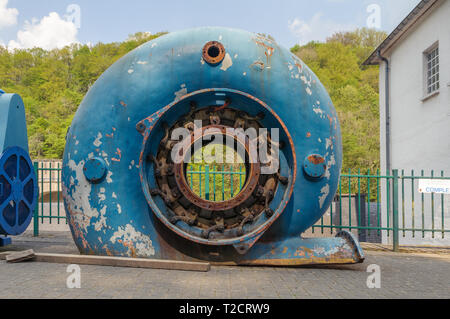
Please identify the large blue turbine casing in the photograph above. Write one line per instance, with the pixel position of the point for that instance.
(107, 179)
(18, 184)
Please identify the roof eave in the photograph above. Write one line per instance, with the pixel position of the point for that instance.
(413, 17)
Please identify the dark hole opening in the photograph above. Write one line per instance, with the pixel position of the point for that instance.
(213, 51)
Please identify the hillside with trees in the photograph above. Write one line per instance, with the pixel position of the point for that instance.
(353, 89)
(53, 84)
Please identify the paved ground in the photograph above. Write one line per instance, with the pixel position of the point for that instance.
(402, 276)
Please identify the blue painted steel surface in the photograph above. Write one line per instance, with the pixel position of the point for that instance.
(18, 185)
(13, 130)
(4, 241)
(95, 170)
(118, 121)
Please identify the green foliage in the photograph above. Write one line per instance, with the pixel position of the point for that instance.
(353, 89)
(53, 84)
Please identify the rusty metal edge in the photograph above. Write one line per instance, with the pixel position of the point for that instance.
(291, 262)
(245, 192)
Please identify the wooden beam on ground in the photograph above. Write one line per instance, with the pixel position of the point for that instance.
(117, 262)
(5, 253)
(20, 256)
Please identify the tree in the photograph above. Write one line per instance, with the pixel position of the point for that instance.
(353, 89)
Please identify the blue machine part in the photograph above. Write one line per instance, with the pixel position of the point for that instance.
(314, 166)
(18, 183)
(95, 170)
(13, 127)
(123, 194)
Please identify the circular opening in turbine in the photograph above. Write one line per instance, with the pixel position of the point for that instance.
(216, 173)
(213, 51)
(237, 177)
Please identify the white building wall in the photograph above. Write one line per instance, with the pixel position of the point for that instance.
(420, 129)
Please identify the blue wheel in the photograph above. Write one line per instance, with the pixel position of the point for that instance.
(18, 191)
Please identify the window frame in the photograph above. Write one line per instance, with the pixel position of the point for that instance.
(430, 65)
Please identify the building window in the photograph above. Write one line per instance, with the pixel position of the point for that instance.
(432, 70)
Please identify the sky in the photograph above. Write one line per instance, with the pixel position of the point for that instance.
(55, 23)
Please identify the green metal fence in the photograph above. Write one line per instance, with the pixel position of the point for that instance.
(49, 206)
(368, 204)
(216, 182)
(392, 204)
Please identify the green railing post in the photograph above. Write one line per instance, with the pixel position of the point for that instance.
(395, 216)
(207, 182)
(36, 206)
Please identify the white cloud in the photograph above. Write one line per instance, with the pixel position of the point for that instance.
(316, 29)
(49, 33)
(8, 16)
